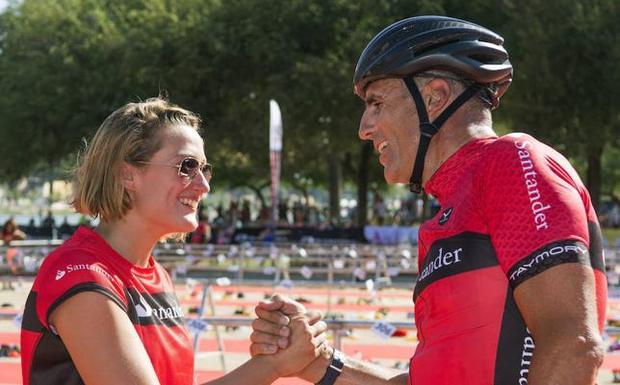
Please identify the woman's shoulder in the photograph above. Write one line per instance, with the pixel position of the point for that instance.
(76, 262)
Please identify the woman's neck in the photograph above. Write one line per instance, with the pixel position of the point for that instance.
(129, 239)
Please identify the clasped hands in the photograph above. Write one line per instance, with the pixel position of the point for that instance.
(291, 339)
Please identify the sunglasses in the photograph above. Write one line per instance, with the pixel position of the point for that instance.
(188, 168)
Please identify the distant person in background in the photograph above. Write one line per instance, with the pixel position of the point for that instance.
(299, 215)
(48, 225)
(49, 220)
(283, 213)
(379, 210)
(11, 232)
(614, 214)
(202, 234)
(65, 229)
(246, 214)
(102, 311)
(234, 214)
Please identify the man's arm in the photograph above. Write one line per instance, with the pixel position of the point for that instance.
(559, 308)
(355, 372)
(267, 330)
(307, 342)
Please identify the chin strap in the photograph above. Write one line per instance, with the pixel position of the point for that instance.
(428, 129)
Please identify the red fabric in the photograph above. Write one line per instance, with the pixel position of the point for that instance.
(87, 262)
(504, 202)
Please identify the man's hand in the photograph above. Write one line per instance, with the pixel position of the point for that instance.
(281, 317)
(270, 330)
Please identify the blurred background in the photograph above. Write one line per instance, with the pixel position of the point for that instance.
(67, 64)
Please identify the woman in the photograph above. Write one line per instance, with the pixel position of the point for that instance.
(11, 232)
(101, 310)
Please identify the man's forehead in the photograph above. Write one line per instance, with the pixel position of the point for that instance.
(383, 87)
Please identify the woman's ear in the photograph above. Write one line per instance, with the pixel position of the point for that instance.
(128, 176)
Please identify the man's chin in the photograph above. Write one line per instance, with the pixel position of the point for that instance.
(392, 178)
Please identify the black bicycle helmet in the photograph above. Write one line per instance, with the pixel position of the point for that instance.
(425, 43)
(422, 43)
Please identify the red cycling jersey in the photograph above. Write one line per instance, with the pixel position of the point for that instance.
(511, 207)
(85, 262)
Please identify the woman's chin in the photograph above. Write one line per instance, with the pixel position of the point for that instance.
(188, 225)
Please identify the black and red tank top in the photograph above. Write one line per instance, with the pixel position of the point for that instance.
(511, 208)
(85, 262)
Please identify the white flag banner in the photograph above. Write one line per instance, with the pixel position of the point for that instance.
(405, 263)
(275, 151)
(371, 265)
(306, 272)
(221, 258)
(17, 320)
(196, 326)
(370, 285)
(383, 329)
(275, 126)
(359, 273)
(181, 269)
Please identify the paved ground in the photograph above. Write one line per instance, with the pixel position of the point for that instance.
(353, 303)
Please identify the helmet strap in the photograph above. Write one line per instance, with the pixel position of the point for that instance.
(429, 129)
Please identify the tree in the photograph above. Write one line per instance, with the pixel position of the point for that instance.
(69, 63)
(565, 86)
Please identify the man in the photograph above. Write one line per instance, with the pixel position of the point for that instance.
(513, 259)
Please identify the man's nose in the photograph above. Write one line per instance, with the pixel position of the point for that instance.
(366, 127)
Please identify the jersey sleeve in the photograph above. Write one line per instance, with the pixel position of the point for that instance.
(534, 207)
(67, 275)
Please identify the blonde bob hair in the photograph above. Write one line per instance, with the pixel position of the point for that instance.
(129, 134)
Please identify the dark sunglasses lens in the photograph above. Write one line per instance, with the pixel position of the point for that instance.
(189, 167)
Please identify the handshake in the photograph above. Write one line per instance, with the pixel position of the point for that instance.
(290, 340)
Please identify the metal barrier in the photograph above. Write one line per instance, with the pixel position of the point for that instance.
(328, 263)
(262, 261)
(332, 325)
(280, 261)
(339, 329)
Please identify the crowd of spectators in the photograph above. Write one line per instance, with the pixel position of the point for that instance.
(610, 214)
(219, 224)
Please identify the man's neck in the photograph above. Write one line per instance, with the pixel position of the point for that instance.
(455, 133)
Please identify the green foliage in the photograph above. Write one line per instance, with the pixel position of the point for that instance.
(67, 64)
(565, 54)
(611, 173)
(566, 75)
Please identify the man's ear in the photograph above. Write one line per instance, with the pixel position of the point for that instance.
(436, 96)
(128, 176)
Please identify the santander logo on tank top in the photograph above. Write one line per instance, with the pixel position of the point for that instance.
(537, 205)
(446, 258)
